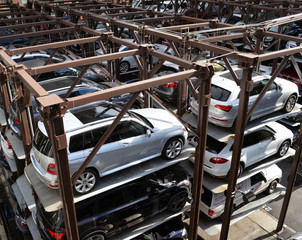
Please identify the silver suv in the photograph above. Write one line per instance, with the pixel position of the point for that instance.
(141, 135)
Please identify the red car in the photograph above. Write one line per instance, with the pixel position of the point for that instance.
(291, 74)
(190, 13)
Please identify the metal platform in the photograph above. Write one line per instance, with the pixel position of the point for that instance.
(50, 198)
(16, 143)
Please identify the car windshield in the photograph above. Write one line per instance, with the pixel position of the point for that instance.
(42, 143)
(55, 218)
(213, 145)
(219, 93)
(238, 72)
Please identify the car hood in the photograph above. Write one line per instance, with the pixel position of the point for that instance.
(159, 118)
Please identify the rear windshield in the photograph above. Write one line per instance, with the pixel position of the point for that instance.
(214, 146)
(206, 196)
(42, 143)
(54, 219)
(219, 93)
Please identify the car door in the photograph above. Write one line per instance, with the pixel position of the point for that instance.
(266, 143)
(270, 99)
(257, 88)
(76, 153)
(109, 156)
(257, 181)
(250, 149)
(136, 144)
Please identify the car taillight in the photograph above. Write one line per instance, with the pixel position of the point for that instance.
(24, 224)
(218, 160)
(211, 212)
(224, 108)
(171, 85)
(55, 235)
(5, 159)
(9, 145)
(51, 168)
(17, 121)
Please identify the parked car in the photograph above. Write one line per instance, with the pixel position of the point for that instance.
(259, 143)
(282, 94)
(6, 145)
(128, 63)
(107, 214)
(60, 86)
(141, 135)
(214, 195)
(172, 229)
(291, 74)
(21, 214)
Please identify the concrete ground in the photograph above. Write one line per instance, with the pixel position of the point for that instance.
(259, 225)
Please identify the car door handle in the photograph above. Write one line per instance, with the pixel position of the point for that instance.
(103, 221)
(126, 144)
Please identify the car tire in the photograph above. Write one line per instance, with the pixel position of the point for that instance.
(172, 148)
(240, 171)
(272, 187)
(283, 148)
(86, 182)
(95, 236)
(178, 202)
(290, 103)
(124, 67)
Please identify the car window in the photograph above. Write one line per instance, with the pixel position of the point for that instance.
(92, 137)
(257, 88)
(76, 143)
(257, 178)
(272, 87)
(213, 145)
(110, 201)
(219, 93)
(42, 143)
(86, 210)
(130, 129)
(264, 135)
(206, 196)
(134, 192)
(250, 139)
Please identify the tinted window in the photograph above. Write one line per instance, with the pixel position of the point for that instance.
(273, 86)
(55, 218)
(256, 179)
(213, 145)
(206, 197)
(257, 88)
(76, 143)
(250, 139)
(219, 93)
(42, 143)
(110, 201)
(129, 129)
(264, 135)
(135, 192)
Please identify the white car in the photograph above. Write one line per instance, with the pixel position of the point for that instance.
(282, 94)
(128, 63)
(141, 135)
(259, 143)
(214, 193)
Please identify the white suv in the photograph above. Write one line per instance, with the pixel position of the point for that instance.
(141, 135)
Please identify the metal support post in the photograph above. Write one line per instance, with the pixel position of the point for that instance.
(246, 84)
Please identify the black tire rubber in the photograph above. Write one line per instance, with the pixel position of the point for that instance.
(95, 236)
(178, 202)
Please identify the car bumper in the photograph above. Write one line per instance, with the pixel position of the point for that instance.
(48, 179)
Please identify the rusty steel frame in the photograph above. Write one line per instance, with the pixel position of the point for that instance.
(53, 102)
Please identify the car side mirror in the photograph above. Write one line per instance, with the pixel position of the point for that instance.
(148, 132)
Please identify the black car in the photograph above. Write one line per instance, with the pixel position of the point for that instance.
(111, 212)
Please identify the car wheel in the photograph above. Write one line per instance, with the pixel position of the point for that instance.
(283, 148)
(124, 67)
(95, 236)
(240, 171)
(86, 182)
(290, 103)
(271, 188)
(178, 202)
(172, 148)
